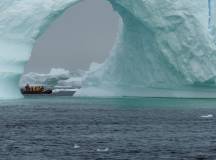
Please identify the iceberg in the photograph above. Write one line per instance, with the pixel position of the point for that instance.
(163, 49)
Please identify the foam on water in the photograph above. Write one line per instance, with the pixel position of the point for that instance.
(76, 146)
(207, 116)
(102, 149)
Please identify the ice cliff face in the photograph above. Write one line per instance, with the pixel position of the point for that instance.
(164, 48)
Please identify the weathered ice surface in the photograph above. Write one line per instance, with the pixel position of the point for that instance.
(164, 48)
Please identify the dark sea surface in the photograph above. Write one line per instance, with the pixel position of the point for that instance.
(66, 128)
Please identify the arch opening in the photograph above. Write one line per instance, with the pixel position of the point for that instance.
(84, 35)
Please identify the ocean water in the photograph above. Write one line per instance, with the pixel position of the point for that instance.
(66, 128)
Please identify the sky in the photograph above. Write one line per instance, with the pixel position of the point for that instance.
(84, 34)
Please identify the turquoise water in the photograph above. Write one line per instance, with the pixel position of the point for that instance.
(53, 128)
(125, 103)
(116, 102)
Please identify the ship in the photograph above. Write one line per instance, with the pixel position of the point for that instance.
(35, 90)
(41, 90)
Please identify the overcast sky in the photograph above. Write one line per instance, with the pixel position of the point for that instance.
(84, 34)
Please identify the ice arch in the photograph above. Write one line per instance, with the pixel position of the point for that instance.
(164, 47)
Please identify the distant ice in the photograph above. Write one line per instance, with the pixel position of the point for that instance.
(57, 78)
